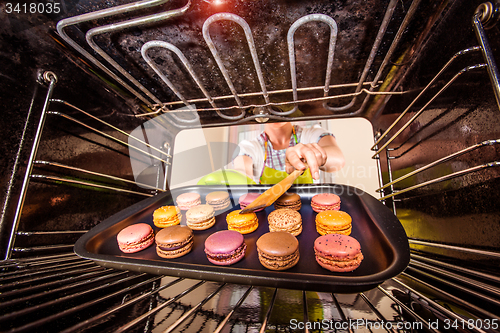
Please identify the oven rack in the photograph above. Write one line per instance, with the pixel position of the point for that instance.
(65, 272)
(168, 303)
(261, 110)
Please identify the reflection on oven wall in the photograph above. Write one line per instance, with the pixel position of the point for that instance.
(193, 159)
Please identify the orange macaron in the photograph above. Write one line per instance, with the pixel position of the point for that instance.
(243, 223)
(333, 222)
(167, 216)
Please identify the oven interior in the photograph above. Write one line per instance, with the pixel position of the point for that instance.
(78, 81)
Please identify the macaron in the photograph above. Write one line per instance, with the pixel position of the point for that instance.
(247, 199)
(174, 241)
(325, 201)
(278, 250)
(218, 199)
(243, 223)
(187, 200)
(288, 200)
(338, 253)
(135, 237)
(333, 222)
(167, 216)
(225, 247)
(200, 217)
(285, 219)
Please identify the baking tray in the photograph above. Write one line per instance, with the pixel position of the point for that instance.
(383, 242)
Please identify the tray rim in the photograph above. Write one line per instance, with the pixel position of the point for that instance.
(282, 279)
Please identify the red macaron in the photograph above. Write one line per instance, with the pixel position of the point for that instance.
(338, 253)
(135, 238)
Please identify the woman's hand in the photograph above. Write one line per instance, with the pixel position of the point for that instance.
(312, 153)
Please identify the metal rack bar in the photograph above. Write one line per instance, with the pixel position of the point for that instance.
(80, 307)
(375, 310)
(66, 288)
(441, 71)
(61, 25)
(110, 126)
(139, 319)
(417, 114)
(237, 305)
(270, 92)
(465, 280)
(341, 312)
(461, 269)
(63, 232)
(405, 308)
(64, 166)
(82, 274)
(59, 300)
(154, 18)
(193, 310)
(406, 21)
(487, 53)
(456, 248)
(376, 45)
(438, 306)
(441, 160)
(71, 181)
(31, 262)
(443, 178)
(117, 308)
(51, 78)
(32, 271)
(269, 311)
(253, 52)
(308, 100)
(291, 54)
(107, 135)
(189, 68)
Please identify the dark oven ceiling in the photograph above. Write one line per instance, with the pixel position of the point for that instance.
(374, 44)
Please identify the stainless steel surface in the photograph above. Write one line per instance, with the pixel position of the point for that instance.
(34, 149)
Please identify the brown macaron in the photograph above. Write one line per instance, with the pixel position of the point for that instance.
(200, 217)
(174, 241)
(218, 199)
(288, 200)
(285, 219)
(278, 250)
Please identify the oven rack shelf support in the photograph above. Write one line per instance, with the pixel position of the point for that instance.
(51, 79)
(484, 16)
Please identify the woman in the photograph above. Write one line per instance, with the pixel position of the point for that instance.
(284, 147)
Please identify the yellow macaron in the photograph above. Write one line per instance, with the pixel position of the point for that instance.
(333, 222)
(167, 216)
(243, 223)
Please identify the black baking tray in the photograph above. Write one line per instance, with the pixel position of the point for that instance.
(383, 242)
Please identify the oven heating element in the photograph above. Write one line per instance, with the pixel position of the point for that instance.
(60, 291)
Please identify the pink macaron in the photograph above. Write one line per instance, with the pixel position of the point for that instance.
(188, 200)
(325, 201)
(225, 247)
(135, 238)
(338, 253)
(247, 199)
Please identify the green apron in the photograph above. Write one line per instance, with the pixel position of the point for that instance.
(273, 176)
